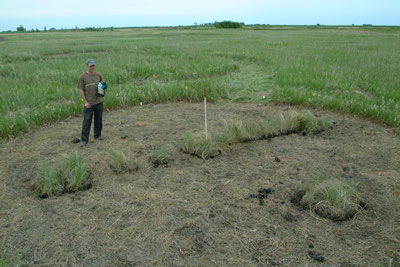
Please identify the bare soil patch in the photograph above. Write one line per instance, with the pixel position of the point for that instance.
(235, 209)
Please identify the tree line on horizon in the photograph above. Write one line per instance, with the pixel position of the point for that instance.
(226, 24)
(223, 24)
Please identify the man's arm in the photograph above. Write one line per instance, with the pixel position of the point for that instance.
(81, 85)
(87, 105)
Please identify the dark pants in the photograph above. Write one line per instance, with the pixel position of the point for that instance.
(97, 110)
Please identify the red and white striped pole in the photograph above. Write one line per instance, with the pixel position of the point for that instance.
(205, 111)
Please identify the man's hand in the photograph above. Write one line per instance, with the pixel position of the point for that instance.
(87, 105)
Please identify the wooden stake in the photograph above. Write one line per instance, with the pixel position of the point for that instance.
(205, 111)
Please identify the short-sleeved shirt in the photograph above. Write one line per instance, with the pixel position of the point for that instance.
(88, 83)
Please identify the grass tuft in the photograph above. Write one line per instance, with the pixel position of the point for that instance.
(48, 182)
(303, 122)
(161, 156)
(120, 162)
(203, 146)
(71, 177)
(333, 198)
(75, 173)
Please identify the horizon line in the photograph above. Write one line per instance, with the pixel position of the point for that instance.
(203, 25)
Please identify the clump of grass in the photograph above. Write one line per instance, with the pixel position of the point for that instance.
(239, 132)
(75, 173)
(161, 156)
(48, 182)
(333, 198)
(304, 122)
(203, 146)
(120, 162)
(71, 177)
(294, 122)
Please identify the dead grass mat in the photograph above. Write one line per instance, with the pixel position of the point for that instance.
(198, 212)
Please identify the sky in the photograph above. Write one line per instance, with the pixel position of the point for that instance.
(67, 14)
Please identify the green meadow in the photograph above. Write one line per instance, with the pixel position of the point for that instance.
(350, 69)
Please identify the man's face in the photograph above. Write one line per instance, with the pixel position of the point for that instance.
(91, 67)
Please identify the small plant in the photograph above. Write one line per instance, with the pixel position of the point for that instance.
(161, 156)
(332, 198)
(74, 173)
(48, 182)
(120, 162)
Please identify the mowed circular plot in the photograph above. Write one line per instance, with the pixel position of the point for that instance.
(232, 209)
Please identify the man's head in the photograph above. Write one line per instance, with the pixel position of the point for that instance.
(91, 64)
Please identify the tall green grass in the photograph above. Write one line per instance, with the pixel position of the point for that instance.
(353, 69)
(72, 176)
(75, 173)
(49, 181)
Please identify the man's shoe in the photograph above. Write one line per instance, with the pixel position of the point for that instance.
(83, 144)
(99, 138)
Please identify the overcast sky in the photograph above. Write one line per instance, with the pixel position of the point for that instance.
(123, 13)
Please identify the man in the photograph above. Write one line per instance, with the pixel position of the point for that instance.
(93, 104)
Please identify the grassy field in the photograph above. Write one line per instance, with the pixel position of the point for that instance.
(284, 184)
(352, 69)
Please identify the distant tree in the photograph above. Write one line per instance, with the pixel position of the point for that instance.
(21, 29)
(227, 24)
(91, 29)
(45, 29)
